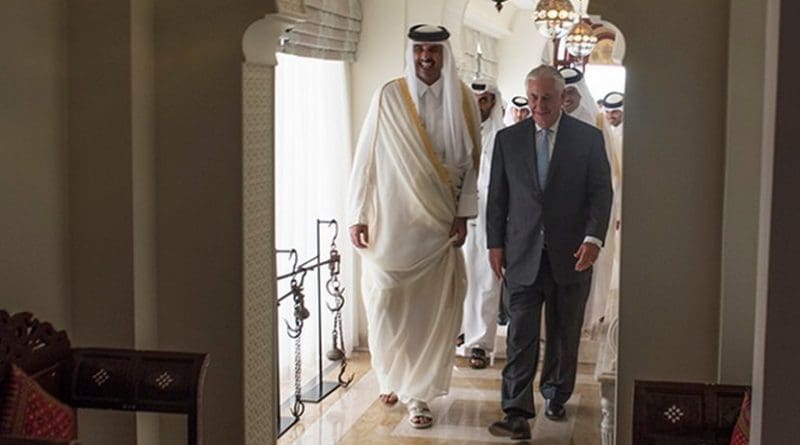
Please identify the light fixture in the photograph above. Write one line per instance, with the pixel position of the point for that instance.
(580, 42)
(555, 18)
(499, 4)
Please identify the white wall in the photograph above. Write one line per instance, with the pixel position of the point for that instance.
(483, 16)
(518, 54)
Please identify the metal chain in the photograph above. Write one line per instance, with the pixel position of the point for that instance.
(299, 407)
(300, 314)
(333, 286)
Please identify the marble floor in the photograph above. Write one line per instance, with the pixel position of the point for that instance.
(353, 415)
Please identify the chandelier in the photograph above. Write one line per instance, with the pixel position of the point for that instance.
(580, 42)
(555, 18)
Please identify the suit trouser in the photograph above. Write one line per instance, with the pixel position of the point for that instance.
(564, 306)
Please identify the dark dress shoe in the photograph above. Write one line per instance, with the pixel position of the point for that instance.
(513, 427)
(555, 411)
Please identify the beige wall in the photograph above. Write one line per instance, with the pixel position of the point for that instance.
(198, 127)
(100, 187)
(122, 79)
(673, 167)
(33, 160)
(742, 190)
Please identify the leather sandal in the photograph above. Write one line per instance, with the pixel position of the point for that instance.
(419, 415)
(478, 359)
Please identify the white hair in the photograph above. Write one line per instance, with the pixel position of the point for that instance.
(547, 72)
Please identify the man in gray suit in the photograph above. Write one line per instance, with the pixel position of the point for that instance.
(547, 212)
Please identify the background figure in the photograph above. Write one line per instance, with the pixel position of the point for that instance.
(579, 103)
(517, 110)
(578, 100)
(412, 187)
(606, 270)
(546, 217)
(483, 288)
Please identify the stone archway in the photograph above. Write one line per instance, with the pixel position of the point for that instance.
(259, 44)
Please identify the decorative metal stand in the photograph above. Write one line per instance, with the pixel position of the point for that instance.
(301, 313)
(317, 389)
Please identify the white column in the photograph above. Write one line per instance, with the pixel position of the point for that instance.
(258, 215)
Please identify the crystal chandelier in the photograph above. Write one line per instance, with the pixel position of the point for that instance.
(555, 18)
(581, 40)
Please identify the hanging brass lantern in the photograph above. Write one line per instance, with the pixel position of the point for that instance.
(580, 42)
(555, 18)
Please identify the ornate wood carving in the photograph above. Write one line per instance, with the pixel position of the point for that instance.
(30, 344)
(122, 379)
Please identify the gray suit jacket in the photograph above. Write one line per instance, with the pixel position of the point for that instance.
(576, 202)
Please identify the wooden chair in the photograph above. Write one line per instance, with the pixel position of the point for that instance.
(102, 378)
(675, 413)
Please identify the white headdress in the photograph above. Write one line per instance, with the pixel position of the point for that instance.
(588, 106)
(457, 140)
(480, 86)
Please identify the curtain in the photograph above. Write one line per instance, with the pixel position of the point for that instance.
(331, 31)
(312, 165)
(468, 63)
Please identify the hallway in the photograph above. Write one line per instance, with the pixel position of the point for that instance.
(354, 416)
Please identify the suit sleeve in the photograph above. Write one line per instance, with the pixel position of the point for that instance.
(599, 191)
(497, 199)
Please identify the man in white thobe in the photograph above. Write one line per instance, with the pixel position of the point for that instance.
(518, 110)
(579, 103)
(605, 279)
(483, 290)
(412, 187)
(578, 100)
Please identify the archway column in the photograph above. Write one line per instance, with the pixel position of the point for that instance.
(258, 217)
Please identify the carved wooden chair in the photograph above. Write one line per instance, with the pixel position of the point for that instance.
(101, 378)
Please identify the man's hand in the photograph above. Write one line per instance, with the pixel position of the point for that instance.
(459, 230)
(359, 235)
(586, 255)
(497, 260)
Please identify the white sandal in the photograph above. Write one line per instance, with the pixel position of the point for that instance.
(419, 410)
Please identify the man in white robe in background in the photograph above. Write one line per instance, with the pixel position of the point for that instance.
(482, 303)
(412, 187)
(579, 103)
(578, 100)
(517, 110)
(605, 280)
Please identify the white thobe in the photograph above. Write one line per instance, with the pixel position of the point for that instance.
(413, 280)
(483, 290)
(584, 115)
(605, 275)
